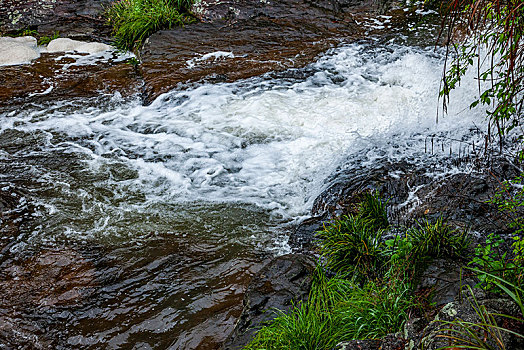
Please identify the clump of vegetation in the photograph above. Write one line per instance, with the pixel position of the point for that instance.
(351, 247)
(44, 40)
(135, 20)
(337, 310)
(353, 244)
(372, 293)
(496, 27)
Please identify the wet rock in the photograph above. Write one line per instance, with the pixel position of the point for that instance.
(445, 280)
(66, 45)
(55, 77)
(285, 279)
(258, 37)
(48, 280)
(413, 194)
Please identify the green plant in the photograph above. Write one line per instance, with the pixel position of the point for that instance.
(376, 309)
(510, 200)
(337, 310)
(309, 325)
(493, 262)
(351, 247)
(134, 20)
(437, 239)
(425, 241)
(353, 244)
(372, 211)
(496, 26)
(44, 40)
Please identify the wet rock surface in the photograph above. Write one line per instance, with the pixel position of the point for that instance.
(284, 280)
(413, 193)
(261, 37)
(56, 77)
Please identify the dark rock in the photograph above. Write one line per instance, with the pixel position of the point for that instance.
(445, 279)
(465, 308)
(389, 342)
(302, 237)
(369, 344)
(72, 18)
(460, 198)
(284, 280)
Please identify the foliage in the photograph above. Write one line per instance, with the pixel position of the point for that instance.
(424, 241)
(437, 239)
(510, 200)
(372, 211)
(376, 309)
(134, 20)
(309, 325)
(44, 40)
(353, 245)
(496, 26)
(337, 310)
(508, 265)
(349, 246)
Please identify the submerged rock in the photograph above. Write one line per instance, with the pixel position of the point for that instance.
(19, 50)
(284, 280)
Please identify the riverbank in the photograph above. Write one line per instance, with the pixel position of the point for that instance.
(443, 288)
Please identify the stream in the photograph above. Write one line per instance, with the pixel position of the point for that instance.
(131, 226)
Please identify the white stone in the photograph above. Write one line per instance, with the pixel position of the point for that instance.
(66, 45)
(15, 51)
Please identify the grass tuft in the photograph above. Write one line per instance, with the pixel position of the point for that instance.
(133, 21)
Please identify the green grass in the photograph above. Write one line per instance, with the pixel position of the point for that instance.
(437, 239)
(337, 310)
(44, 40)
(133, 21)
(353, 244)
(350, 246)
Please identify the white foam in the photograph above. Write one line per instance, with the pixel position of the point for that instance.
(217, 55)
(20, 50)
(267, 143)
(70, 45)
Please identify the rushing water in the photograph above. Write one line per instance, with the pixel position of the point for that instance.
(143, 224)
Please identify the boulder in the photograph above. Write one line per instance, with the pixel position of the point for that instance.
(284, 280)
(74, 18)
